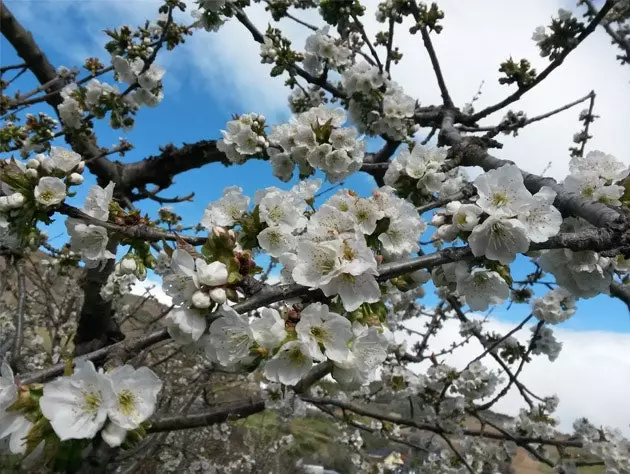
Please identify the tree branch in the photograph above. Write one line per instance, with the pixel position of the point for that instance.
(549, 69)
(231, 411)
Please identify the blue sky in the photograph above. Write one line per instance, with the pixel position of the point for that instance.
(198, 101)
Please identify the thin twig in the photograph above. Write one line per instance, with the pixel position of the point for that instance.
(549, 69)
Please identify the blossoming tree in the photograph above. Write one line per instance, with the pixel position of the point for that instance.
(352, 267)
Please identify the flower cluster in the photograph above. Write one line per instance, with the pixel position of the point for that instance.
(324, 51)
(505, 217)
(595, 176)
(555, 307)
(320, 335)
(147, 76)
(194, 285)
(315, 139)
(44, 179)
(97, 97)
(245, 137)
(584, 274)
(378, 105)
(416, 174)
(211, 13)
(90, 240)
(79, 406)
(334, 255)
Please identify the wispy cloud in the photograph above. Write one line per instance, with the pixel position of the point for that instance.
(475, 40)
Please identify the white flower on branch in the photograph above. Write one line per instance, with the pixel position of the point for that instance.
(50, 191)
(291, 363)
(135, 395)
(320, 326)
(482, 288)
(268, 330)
(77, 406)
(603, 165)
(225, 211)
(12, 424)
(187, 323)
(499, 239)
(541, 219)
(89, 240)
(368, 350)
(283, 209)
(502, 192)
(555, 307)
(323, 49)
(585, 274)
(231, 337)
(276, 241)
(62, 159)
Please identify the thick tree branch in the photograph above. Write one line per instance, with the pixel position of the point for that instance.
(472, 151)
(229, 411)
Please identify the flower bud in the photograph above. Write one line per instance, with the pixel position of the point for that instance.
(33, 163)
(80, 167)
(201, 300)
(128, 265)
(46, 165)
(218, 295)
(75, 179)
(219, 232)
(16, 200)
(32, 173)
(437, 220)
(113, 435)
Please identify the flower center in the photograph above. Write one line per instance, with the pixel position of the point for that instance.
(126, 401)
(499, 199)
(92, 401)
(47, 195)
(276, 213)
(296, 356)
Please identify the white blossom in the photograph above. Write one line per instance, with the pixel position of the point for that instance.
(77, 406)
(188, 321)
(227, 210)
(318, 325)
(231, 337)
(135, 392)
(268, 330)
(63, 160)
(290, 364)
(276, 241)
(12, 424)
(499, 239)
(556, 306)
(502, 192)
(482, 288)
(368, 350)
(50, 191)
(541, 219)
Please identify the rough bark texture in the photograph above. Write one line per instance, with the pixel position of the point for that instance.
(97, 326)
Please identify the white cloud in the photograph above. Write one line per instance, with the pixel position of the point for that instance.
(476, 38)
(154, 287)
(591, 376)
